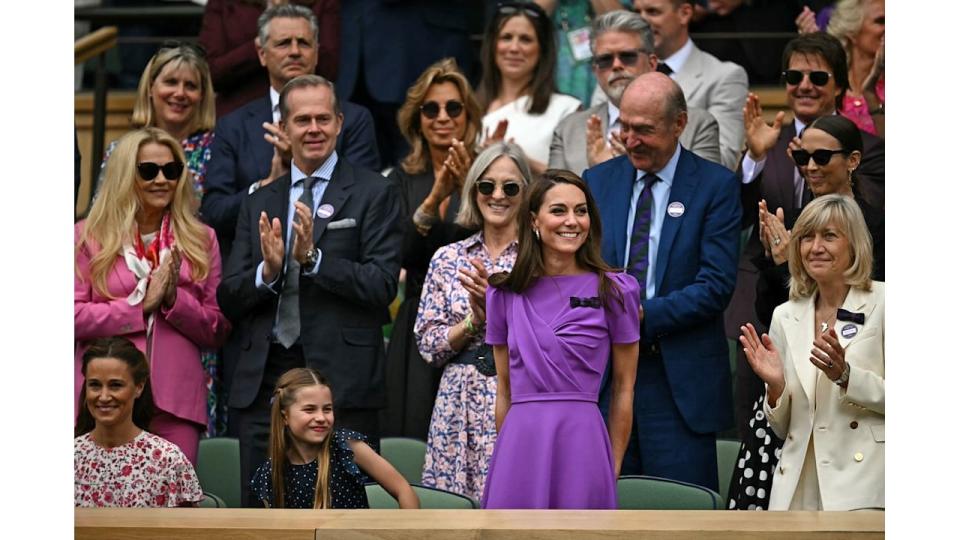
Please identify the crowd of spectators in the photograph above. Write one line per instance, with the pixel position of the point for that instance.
(578, 216)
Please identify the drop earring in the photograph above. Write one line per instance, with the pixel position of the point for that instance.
(536, 232)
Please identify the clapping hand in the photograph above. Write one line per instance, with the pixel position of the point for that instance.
(498, 133)
(475, 282)
(828, 355)
(271, 246)
(806, 21)
(597, 149)
(774, 234)
(162, 280)
(764, 359)
(760, 136)
(302, 231)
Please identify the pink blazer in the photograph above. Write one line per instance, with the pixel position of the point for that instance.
(193, 322)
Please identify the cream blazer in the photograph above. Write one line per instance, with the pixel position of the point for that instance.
(846, 426)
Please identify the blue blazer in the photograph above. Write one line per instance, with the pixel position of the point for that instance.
(695, 276)
(239, 156)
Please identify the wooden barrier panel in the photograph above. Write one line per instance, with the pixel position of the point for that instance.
(214, 524)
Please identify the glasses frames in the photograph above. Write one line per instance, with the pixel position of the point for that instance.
(149, 170)
(817, 78)
(487, 187)
(821, 156)
(627, 58)
(431, 109)
(512, 8)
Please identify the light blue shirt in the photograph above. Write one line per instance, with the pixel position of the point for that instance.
(324, 173)
(661, 195)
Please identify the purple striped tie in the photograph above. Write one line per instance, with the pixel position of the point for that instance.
(639, 260)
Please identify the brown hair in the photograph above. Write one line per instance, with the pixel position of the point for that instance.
(529, 264)
(284, 396)
(408, 117)
(124, 350)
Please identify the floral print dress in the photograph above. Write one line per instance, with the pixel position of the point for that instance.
(148, 471)
(463, 427)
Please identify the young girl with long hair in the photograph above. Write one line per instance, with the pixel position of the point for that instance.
(316, 465)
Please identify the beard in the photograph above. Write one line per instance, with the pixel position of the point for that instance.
(616, 84)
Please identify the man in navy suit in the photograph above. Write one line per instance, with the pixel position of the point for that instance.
(672, 219)
(250, 151)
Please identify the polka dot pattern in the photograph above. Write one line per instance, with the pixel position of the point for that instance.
(759, 455)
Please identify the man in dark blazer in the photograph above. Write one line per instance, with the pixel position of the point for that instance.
(249, 149)
(769, 173)
(311, 274)
(683, 392)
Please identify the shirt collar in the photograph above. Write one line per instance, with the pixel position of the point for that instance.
(667, 173)
(613, 112)
(324, 171)
(679, 58)
(475, 241)
(800, 126)
(275, 104)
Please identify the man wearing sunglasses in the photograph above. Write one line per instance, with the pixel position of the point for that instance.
(311, 274)
(249, 150)
(815, 79)
(719, 87)
(622, 45)
(672, 220)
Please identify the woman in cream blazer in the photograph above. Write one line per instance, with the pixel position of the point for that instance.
(823, 365)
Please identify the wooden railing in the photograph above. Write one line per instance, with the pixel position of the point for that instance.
(95, 45)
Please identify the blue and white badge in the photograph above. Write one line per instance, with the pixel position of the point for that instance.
(849, 330)
(325, 211)
(675, 209)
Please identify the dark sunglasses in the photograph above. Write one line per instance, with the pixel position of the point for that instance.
(510, 189)
(149, 170)
(818, 78)
(431, 109)
(512, 8)
(821, 157)
(627, 58)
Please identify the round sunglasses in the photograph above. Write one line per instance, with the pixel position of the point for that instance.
(510, 189)
(818, 78)
(821, 156)
(149, 170)
(431, 109)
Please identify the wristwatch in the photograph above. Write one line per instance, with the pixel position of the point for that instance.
(844, 377)
(311, 258)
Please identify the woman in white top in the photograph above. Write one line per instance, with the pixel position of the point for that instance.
(519, 57)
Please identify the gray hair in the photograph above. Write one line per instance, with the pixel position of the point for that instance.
(306, 81)
(469, 215)
(290, 11)
(622, 21)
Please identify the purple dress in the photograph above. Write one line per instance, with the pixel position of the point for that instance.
(553, 449)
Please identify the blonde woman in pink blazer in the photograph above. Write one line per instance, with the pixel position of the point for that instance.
(147, 269)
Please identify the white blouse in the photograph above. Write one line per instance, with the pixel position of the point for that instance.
(532, 132)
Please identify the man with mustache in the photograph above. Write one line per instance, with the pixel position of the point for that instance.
(622, 45)
(672, 220)
(249, 150)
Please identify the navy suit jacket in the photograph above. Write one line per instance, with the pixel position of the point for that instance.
(342, 308)
(695, 275)
(240, 156)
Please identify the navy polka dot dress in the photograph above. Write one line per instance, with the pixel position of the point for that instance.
(346, 478)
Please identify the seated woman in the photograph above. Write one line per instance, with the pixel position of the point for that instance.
(519, 58)
(440, 120)
(823, 366)
(116, 462)
(148, 270)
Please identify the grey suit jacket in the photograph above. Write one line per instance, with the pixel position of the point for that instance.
(720, 88)
(568, 150)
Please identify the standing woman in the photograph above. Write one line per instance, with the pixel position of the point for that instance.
(517, 91)
(147, 269)
(860, 25)
(823, 366)
(440, 120)
(554, 323)
(175, 94)
(116, 461)
(450, 321)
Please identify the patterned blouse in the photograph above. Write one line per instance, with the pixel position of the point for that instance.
(444, 302)
(148, 471)
(300, 481)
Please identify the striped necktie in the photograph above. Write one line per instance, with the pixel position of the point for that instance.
(639, 259)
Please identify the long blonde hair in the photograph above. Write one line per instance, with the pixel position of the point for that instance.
(112, 219)
(284, 396)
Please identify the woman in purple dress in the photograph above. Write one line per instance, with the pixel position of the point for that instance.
(554, 322)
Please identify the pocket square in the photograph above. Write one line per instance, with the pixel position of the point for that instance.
(345, 223)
